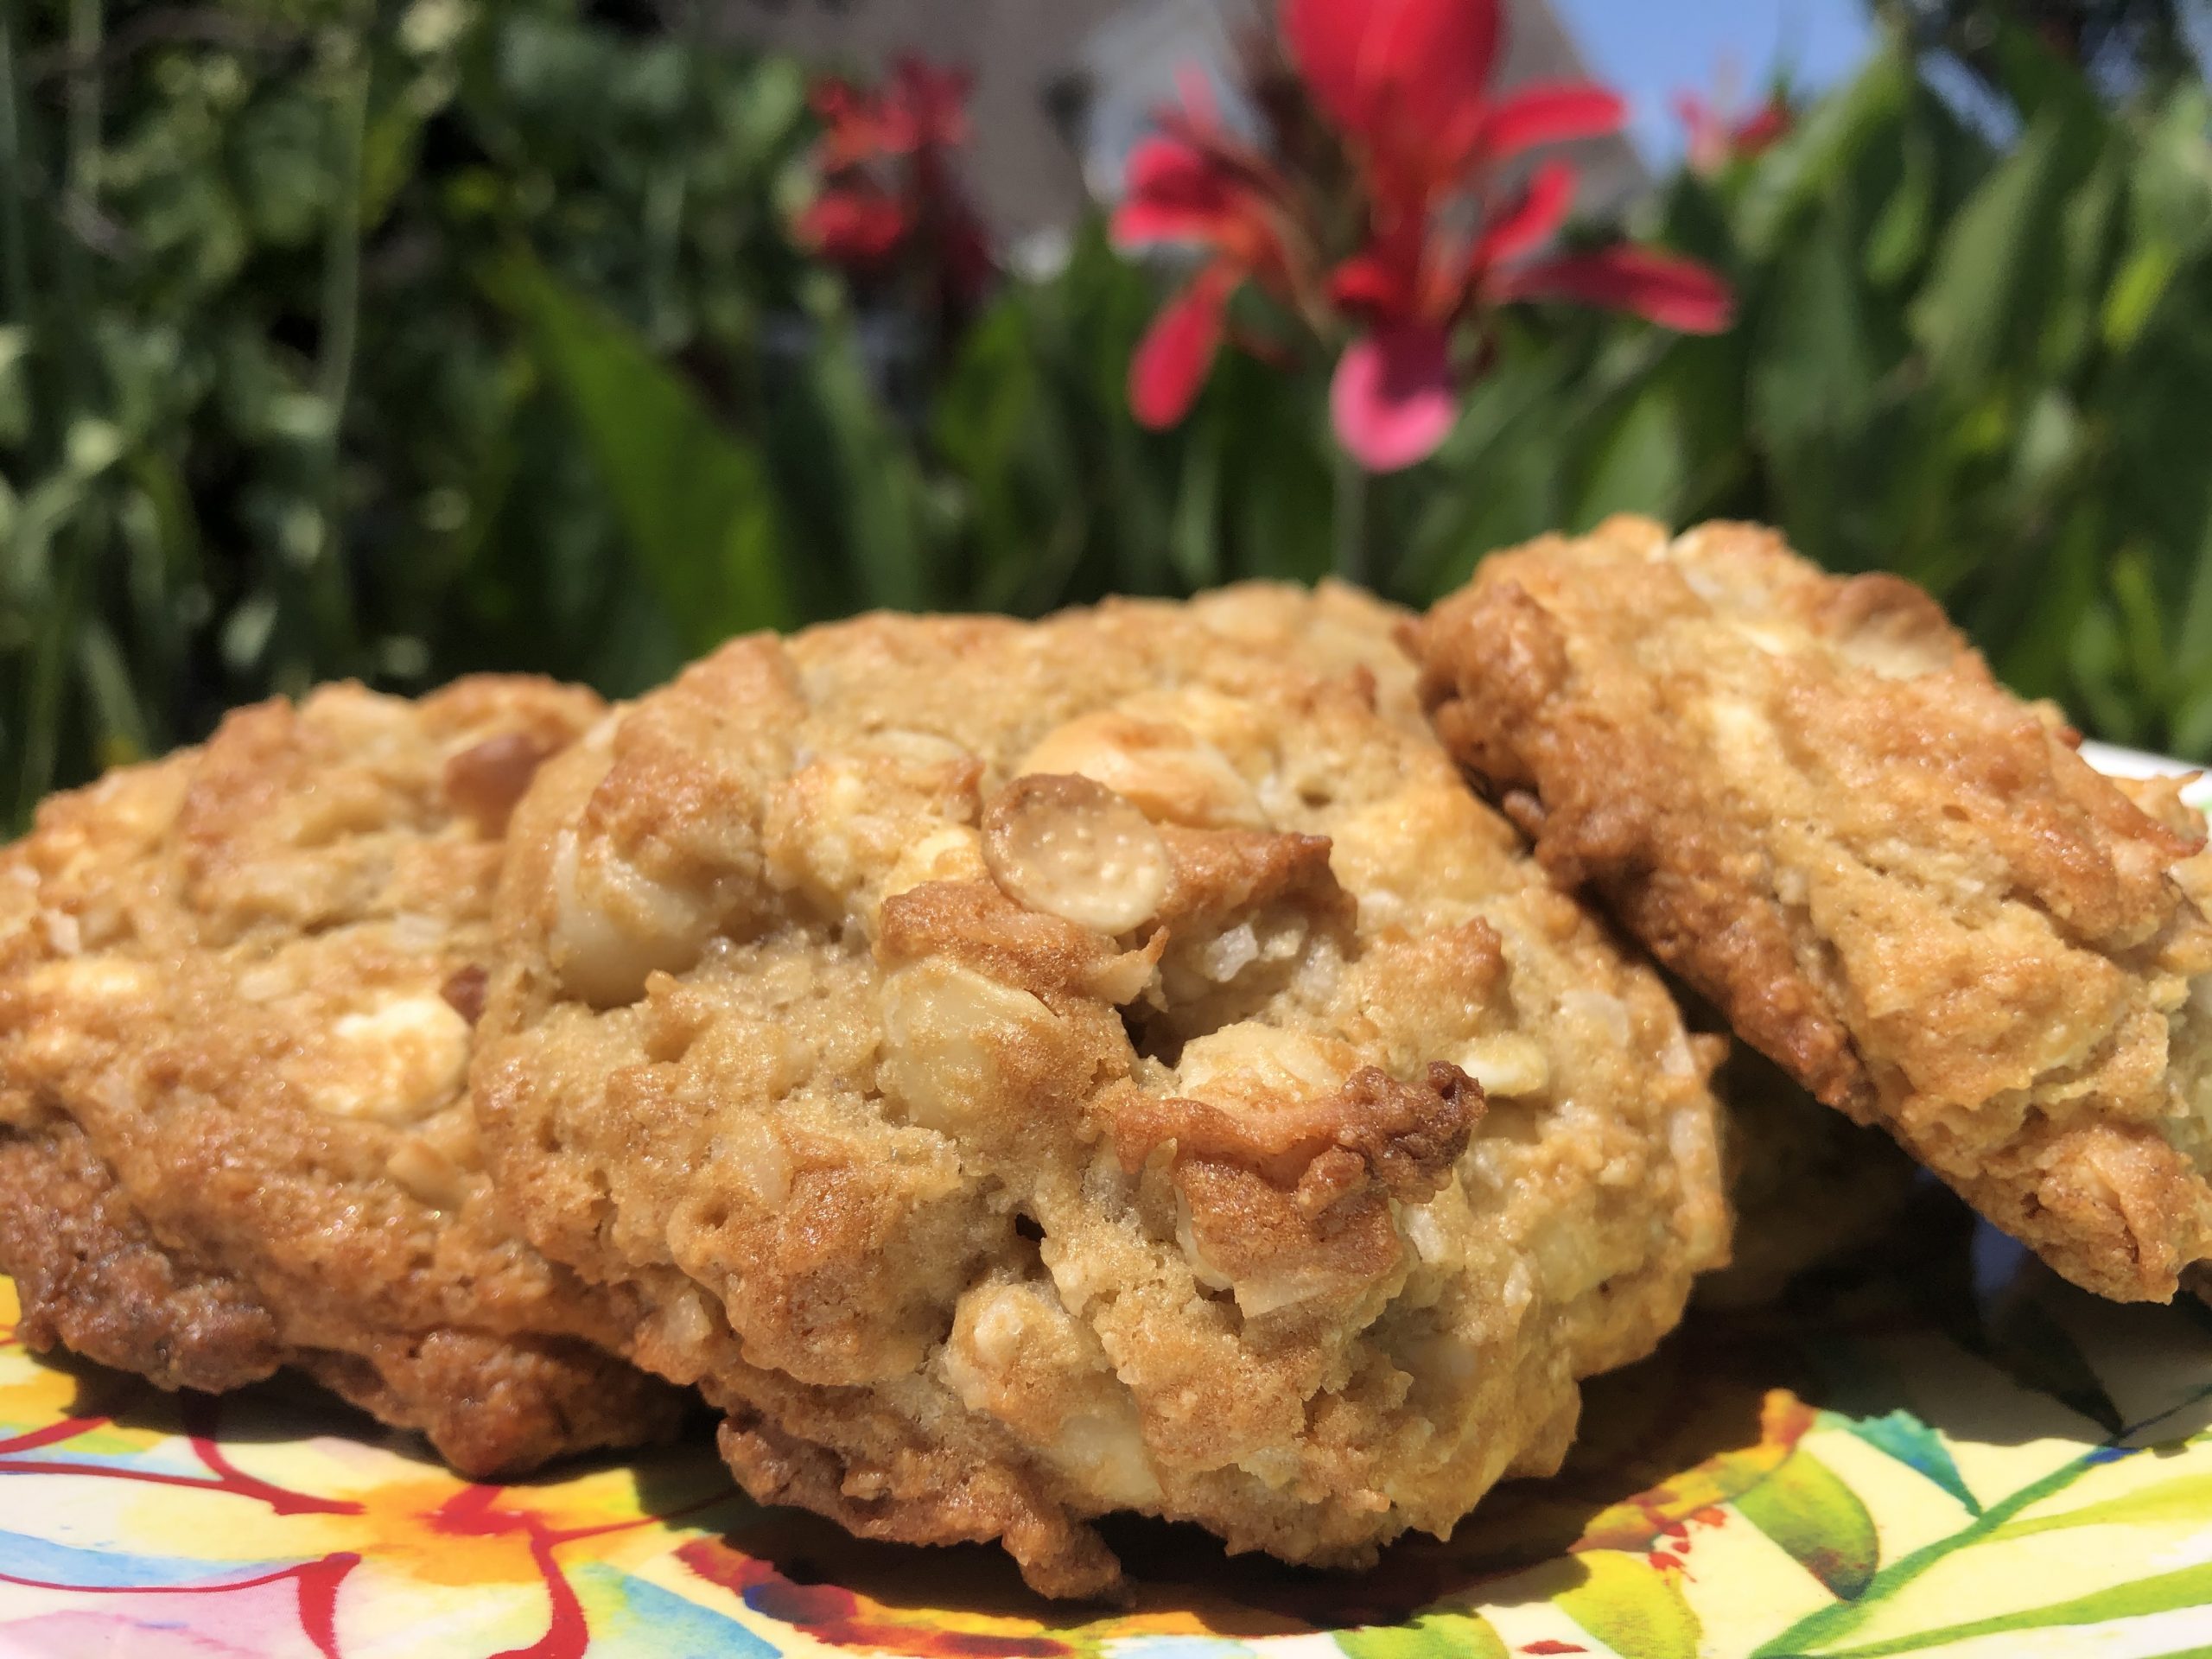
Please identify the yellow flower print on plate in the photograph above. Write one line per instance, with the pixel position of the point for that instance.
(1851, 1485)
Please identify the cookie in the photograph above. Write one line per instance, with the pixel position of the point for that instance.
(237, 990)
(1807, 796)
(1034, 1070)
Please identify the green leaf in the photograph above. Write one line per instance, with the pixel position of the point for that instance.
(1818, 359)
(2170, 182)
(1900, 235)
(1818, 1520)
(121, 727)
(2191, 1586)
(2039, 80)
(2041, 649)
(2088, 240)
(2136, 292)
(14, 386)
(1831, 1623)
(2187, 1497)
(1920, 1448)
(1639, 466)
(1982, 300)
(279, 149)
(1432, 1636)
(765, 109)
(2142, 623)
(2095, 662)
(1002, 448)
(694, 501)
(390, 156)
(1805, 168)
(876, 484)
(1194, 546)
(1632, 1607)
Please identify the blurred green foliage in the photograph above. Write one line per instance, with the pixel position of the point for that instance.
(271, 407)
(400, 340)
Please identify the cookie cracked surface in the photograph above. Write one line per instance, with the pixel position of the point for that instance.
(237, 992)
(1807, 795)
(1029, 1070)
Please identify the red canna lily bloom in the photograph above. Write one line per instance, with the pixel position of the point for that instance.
(889, 183)
(926, 106)
(1406, 86)
(1764, 127)
(1715, 140)
(1194, 183)
(1407, 82)
(856, 223)
(921, 107)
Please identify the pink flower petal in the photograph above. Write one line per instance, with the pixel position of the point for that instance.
(1391, 399)
(1550, 113)
(1669, 289)
(1529, 222)
(1382, 283)
(1326, 39)
(1764, 128)
(1704, 139)
(1425, 69)
(1176, 352)
(1170, 194)
(855, 125)
(855, 223)
(929, 104)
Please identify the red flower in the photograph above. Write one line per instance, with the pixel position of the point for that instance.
(927, 107)
(1406, 83)
(889, 183)
(921, 107)
(1193, 183)
(856, 223)
(1715, 140)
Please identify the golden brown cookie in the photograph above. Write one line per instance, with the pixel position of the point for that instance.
(237, 991)
(1031, 1071)
(1808, 798)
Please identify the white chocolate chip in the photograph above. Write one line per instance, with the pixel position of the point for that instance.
(1159, 765)
(946, 1029)
(1075, 849)
(437, 1162)
(751, 1150)
(1269, 1060)
(1508, 1065)
(950, 852)
(613, 926)
(1608, 1012)
(405, 1058)
(427, 1175)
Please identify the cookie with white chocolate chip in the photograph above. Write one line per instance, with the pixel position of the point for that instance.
(1031, 1071)
(237, 991)
(1807, 796)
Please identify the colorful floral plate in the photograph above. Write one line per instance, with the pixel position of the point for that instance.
(1944, 1452)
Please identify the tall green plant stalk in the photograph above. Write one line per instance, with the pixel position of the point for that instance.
(87, 27)
(15, 255)
(341, 268)
(667, 194)
(1350, 503)
(340, 340)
